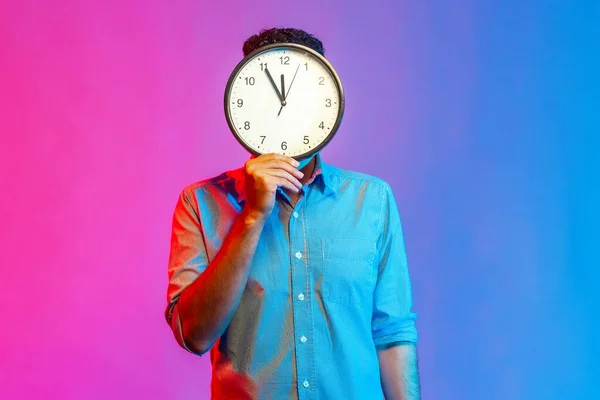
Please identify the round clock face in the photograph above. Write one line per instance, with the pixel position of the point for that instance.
(284, 99)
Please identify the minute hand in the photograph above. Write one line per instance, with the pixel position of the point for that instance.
(275, 87)
(288, 91)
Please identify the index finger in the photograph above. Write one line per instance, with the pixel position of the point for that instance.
(277, 156)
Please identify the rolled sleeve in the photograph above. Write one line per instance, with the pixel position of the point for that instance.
(393, 320)
(187, 258)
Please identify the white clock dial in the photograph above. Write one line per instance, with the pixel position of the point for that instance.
(296, 113)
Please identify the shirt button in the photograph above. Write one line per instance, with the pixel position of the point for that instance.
(305, 384)
(303, 339)
(295, 214)
(298, 255)
(301, 297)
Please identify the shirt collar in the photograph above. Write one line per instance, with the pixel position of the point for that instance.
(321, 178)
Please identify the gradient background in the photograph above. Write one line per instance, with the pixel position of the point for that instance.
(483, 116)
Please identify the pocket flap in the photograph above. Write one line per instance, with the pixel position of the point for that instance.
(348, 249)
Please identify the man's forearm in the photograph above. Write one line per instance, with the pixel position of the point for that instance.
(207, 305)
(399, 372)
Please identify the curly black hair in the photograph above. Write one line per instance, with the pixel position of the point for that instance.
(282, 35)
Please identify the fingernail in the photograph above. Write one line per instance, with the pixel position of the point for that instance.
(296, 163)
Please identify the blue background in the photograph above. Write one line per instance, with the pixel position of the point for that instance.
(483, 116)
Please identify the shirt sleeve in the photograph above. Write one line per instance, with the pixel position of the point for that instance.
(393, 320)
(187, 258)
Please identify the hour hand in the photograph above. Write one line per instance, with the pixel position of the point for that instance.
(275, 87)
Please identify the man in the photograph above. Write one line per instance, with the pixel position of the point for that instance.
(294, 276)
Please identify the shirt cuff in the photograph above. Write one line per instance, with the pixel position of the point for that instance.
(401, 332)
(174, 320)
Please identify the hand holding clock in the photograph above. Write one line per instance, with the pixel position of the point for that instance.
(264, 174)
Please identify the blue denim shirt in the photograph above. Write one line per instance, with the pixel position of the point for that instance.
(329, 283)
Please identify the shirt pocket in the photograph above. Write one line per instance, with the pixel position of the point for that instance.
(348, 273)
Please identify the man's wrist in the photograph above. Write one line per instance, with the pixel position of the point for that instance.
(253, 218)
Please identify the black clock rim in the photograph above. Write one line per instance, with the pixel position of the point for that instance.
(323, 60)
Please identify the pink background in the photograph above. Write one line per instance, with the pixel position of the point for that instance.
(109, 108)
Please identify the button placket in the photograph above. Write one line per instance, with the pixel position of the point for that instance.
(302, 309)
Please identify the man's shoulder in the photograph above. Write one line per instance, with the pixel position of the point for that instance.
(341, 174)
(224, 180)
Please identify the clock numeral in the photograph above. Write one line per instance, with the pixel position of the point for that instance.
(322, 125)
(250, 81)
(328, 103)
(321, 80)
(263, 66)
(285, 60)
(240, 102)
(263, 139)
(306, 65)
(283, 145)
(247, 125)
(306, 141)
